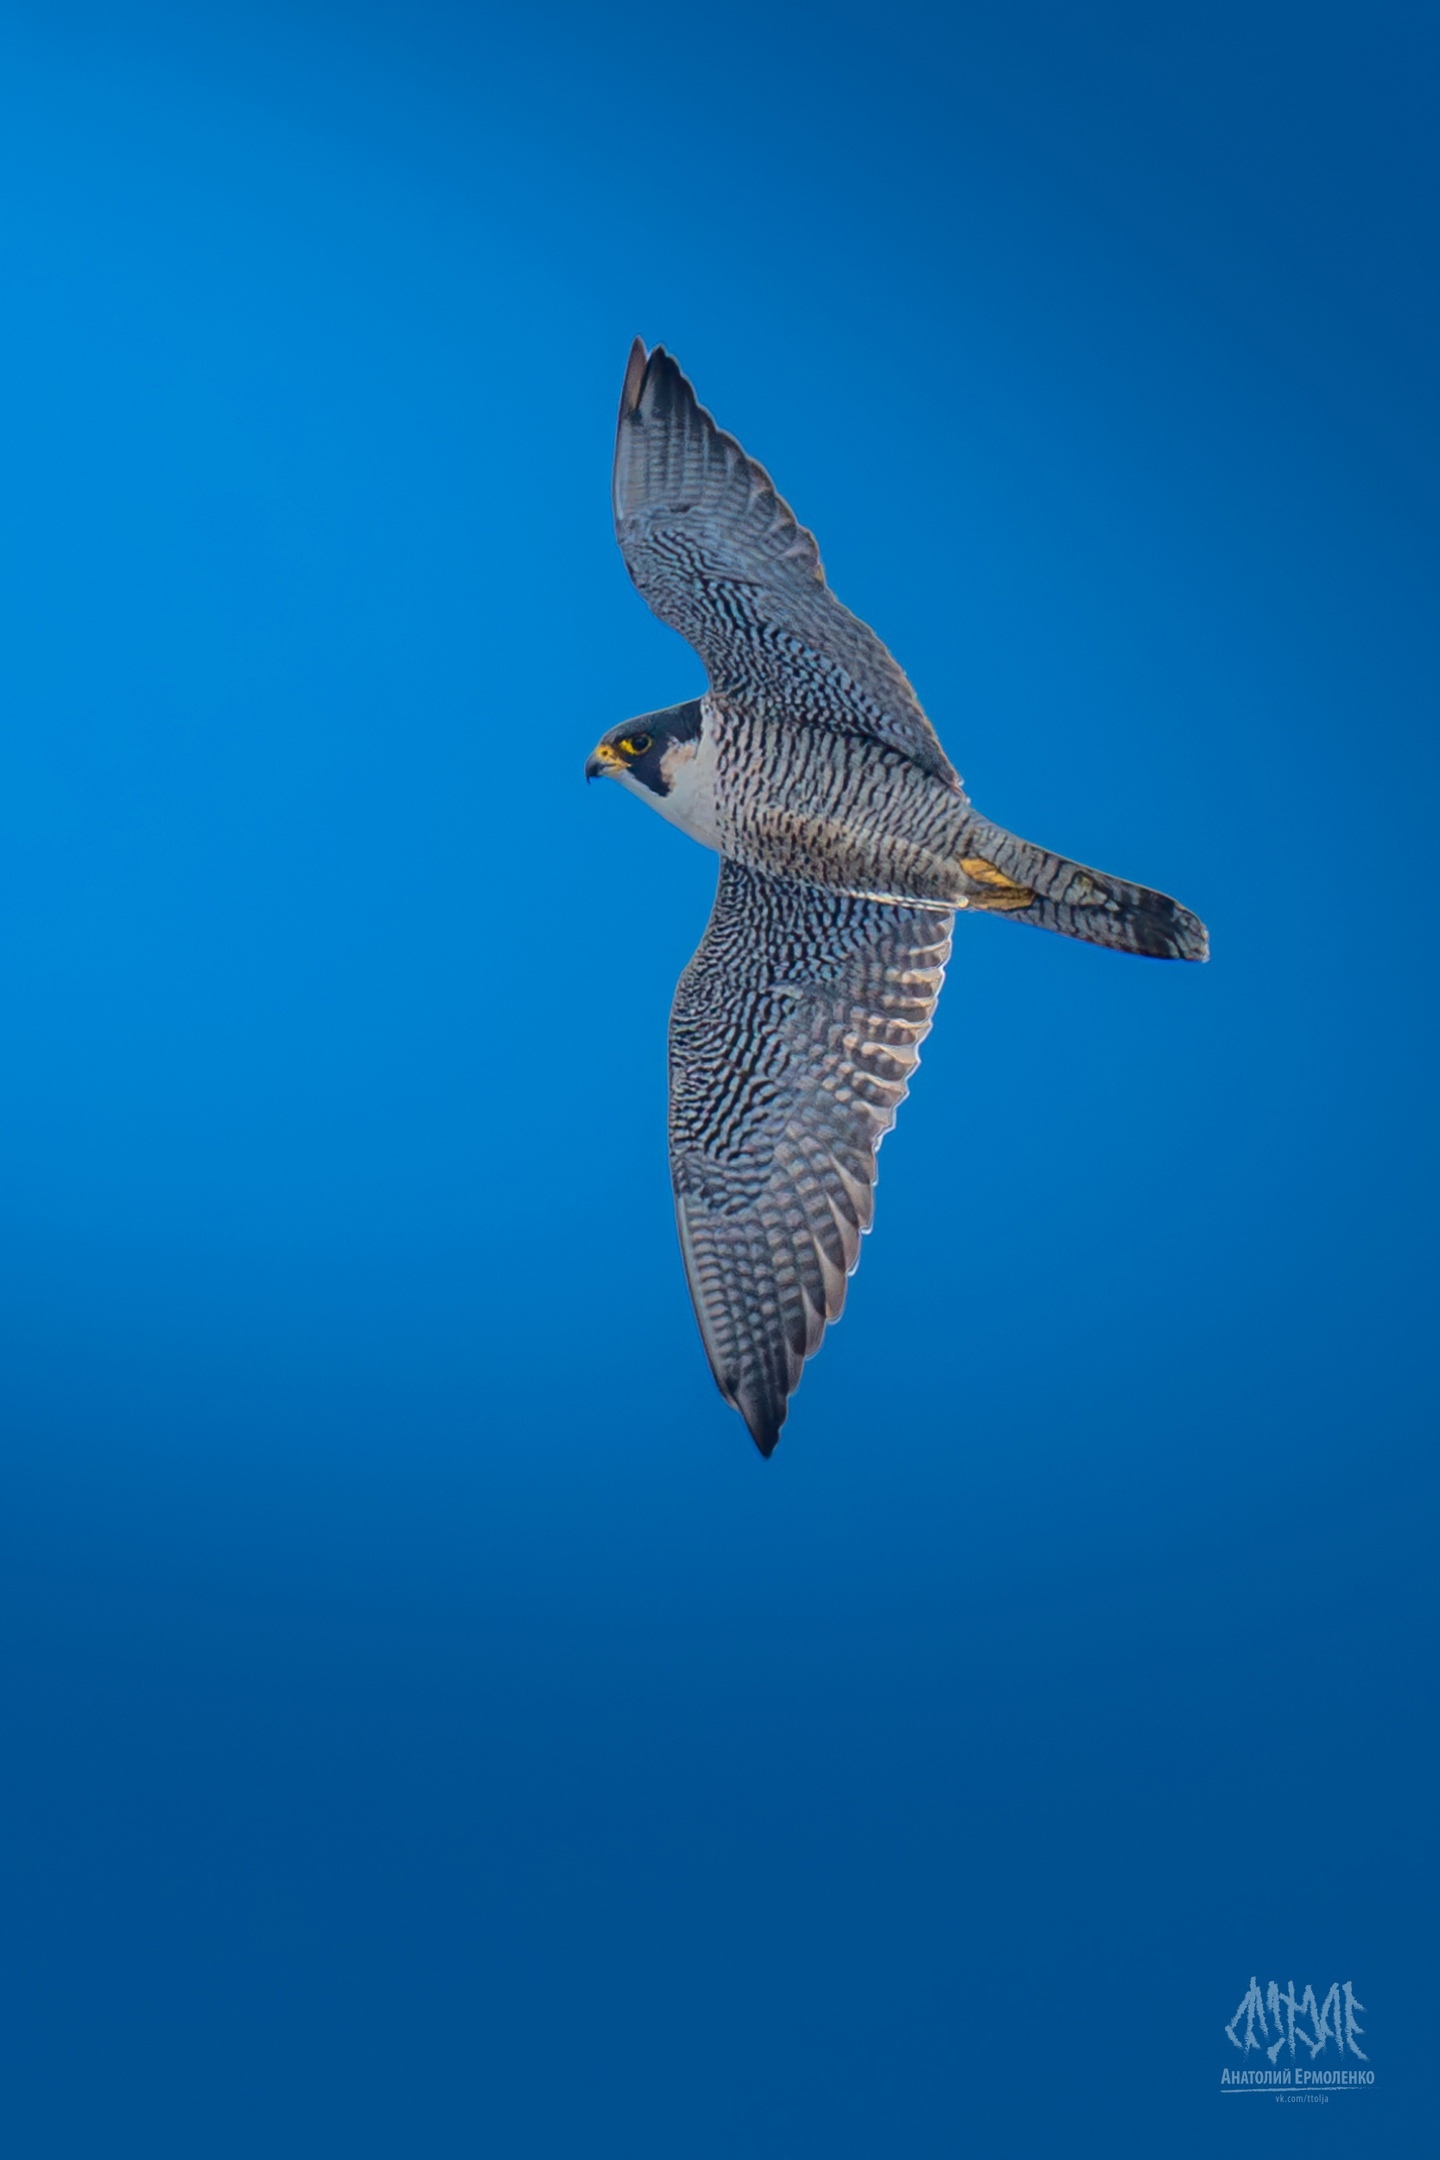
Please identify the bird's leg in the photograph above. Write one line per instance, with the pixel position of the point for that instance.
(997, 894)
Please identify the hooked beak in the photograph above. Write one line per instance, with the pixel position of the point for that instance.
(603, 761)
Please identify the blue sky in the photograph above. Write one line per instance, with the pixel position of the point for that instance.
(429, 1726)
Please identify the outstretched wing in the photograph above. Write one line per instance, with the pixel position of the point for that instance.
(794, 1033)
(720, 557)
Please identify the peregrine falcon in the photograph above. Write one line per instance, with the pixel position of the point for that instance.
(847, 846)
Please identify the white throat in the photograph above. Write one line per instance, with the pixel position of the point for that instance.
(690, 769)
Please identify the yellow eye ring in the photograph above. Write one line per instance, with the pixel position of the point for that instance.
(635, 745)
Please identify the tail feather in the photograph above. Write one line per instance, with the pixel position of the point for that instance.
(1008, 876)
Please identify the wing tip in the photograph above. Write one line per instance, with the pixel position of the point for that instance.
(634, 378)
(763, 1422)
(762, 1414)
(656, 387)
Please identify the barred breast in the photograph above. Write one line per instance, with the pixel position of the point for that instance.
(831, 809)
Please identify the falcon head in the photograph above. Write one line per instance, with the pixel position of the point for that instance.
(650, 752)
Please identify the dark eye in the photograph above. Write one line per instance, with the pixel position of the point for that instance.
(635, 745)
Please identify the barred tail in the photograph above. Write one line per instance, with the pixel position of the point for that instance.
(1007, 876)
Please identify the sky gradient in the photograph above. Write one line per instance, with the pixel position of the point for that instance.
(430, 1727)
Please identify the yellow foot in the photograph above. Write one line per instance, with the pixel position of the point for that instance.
(1001, 893)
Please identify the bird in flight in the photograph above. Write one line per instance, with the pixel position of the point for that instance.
(847, 846)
